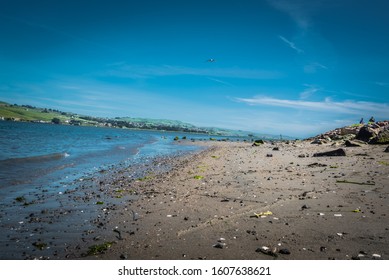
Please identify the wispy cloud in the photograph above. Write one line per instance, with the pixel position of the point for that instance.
(291, 44)
(382, 84)
(327, 105)
(220, 81)
(314, 67)
(300, 11)
(147, 71)
(309, 91)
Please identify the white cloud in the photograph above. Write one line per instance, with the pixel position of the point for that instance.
(351, 107)
(146, 71)
(291, 44)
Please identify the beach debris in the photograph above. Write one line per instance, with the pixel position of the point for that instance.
(323, 249)
(316, 164)
(225, 200)
(321, 214)
(339, 233)
(357, 183)
(119, 233)
(269, 155)
(338, 152)
(303, 155)
(99, 202)
(357, 210)
(266, 250)
(276, 149)
(262, 214)
(176, 138)
(337, 215)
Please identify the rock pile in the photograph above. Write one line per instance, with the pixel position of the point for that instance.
(371, 133)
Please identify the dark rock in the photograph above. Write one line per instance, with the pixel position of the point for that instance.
(284, 252)
(258, 142)
(269, 155)
(349, 143)
(338, 152)
(276, 149)
(304, 207)
(387, 149)
(366, 134)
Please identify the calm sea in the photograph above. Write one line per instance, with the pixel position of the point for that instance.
(34, 154)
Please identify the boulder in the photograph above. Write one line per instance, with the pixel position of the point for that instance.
(381, 138)
(334, 153)
(366, 134)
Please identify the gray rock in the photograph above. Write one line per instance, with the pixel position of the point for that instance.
(334, 153)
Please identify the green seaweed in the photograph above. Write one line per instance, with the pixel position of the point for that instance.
(198, 177)
(20, 199)
(384, 163)
(99, 248)
(39, 245)
(99, 202)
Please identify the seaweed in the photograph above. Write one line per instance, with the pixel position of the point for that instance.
(99, 248)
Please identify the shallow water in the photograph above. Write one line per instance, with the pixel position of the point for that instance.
(51, 181)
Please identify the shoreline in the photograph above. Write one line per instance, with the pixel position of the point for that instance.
(235, 201)
(230, 200)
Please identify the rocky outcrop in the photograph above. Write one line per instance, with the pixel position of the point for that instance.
(372, 133)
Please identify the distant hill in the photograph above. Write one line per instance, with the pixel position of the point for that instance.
(44, 115)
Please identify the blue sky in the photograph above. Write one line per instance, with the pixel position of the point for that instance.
(282, 67)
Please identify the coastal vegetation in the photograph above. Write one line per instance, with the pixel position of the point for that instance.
(28, 113)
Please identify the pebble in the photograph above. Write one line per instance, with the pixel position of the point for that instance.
(284, 252)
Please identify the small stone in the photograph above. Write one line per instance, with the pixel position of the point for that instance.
(376, 256)
(304, 207)
(284, 252)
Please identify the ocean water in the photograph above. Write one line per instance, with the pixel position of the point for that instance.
(35, 155)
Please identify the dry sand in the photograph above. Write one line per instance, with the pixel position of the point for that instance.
(233, 201)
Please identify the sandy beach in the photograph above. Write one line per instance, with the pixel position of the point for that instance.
(238, 201)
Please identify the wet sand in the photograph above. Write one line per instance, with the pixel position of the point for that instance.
(229, 201)
(236, 201)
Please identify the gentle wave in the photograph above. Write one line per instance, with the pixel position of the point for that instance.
(35, 159)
